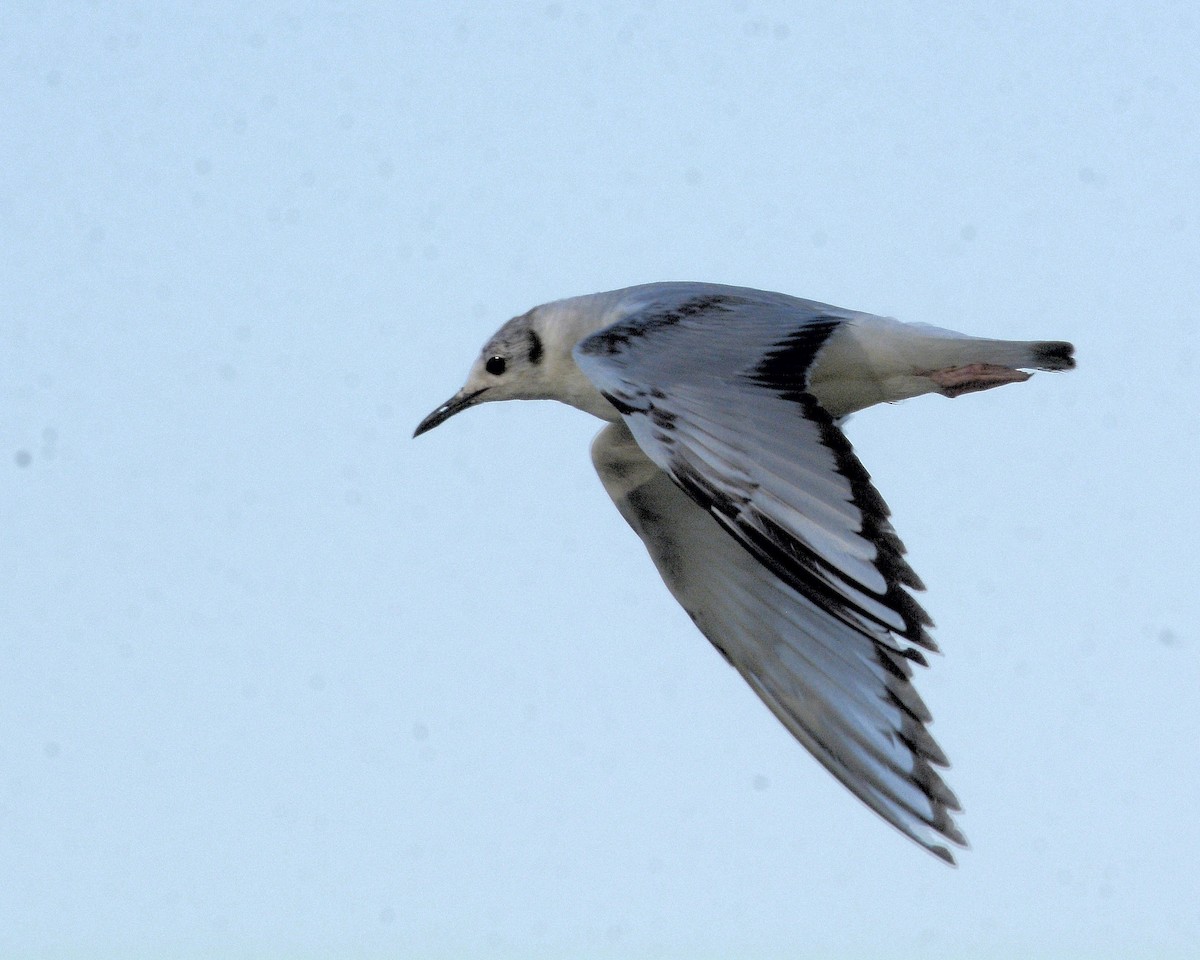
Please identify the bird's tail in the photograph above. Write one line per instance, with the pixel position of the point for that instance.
(938, 349)
(876, 359)
(1051, 355)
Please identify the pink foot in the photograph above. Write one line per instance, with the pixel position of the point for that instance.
(955, 381)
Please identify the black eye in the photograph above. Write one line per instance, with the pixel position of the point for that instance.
(495, 365)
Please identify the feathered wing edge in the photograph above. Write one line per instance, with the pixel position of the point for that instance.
(766, 528)
(846, 697)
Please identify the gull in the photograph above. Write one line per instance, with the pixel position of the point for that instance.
(724, 453)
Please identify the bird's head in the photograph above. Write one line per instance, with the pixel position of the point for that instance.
(530, 358)
(513, 365)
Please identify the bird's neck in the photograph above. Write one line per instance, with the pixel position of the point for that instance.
(574, 320)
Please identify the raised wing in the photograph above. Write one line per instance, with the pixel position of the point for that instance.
(845, 696)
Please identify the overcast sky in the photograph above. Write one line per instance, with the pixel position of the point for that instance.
(279, 681)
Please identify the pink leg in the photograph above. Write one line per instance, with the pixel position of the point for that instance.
(955, 381)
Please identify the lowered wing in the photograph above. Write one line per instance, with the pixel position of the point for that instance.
(845, 697)
(766, 528)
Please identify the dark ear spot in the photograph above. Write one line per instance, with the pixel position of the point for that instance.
(535, 348)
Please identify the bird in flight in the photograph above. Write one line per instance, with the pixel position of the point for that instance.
(724, 453)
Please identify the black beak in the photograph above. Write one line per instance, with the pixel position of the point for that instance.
(456, 404)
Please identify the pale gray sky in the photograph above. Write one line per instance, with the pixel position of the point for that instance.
(279, 681)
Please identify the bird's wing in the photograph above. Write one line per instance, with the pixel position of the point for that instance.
(844, 695)
(712, 387)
